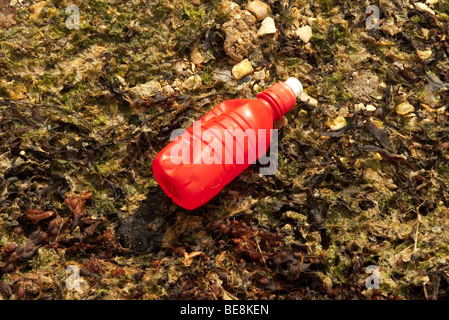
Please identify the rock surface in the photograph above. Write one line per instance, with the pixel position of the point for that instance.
(240, 35)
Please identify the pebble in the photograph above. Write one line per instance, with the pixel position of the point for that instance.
(241, 69)
(404, 108)
(370, 107)
(259, 75)
(392, 186)
(304, 97)
(259, 9)
(304, 33)
(422, 7)
(267, 27)
(222, 76)
(36, 10)
(196, 57)
(336, 123)
(146, 89)
(192, 83)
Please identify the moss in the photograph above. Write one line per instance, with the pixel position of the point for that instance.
(373, 163)
(326, 6)
(208, 74)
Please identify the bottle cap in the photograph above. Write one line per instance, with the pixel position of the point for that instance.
(282, 96)
(295, 85)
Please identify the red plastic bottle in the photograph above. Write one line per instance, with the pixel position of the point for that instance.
(195, 167)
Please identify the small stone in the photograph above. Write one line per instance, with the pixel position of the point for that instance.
(370, 108)
(304, 97)
(336, 123)
(145, 90)
(304, 33)
(422, 7)
(404, 108)
(196, 2)
(398, 65)
(267, 27)
(435, 83)
(36, 10)
(432, 2)
(259, 9)
(196, 57)
(192, 83)
(392, 186)
(222, 76)
(241, 69)
(429, 96)
(424, 54)
(259, 75)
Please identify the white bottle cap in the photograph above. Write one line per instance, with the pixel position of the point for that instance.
(295, 85)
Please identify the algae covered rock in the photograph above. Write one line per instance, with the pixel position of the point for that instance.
(240, 35)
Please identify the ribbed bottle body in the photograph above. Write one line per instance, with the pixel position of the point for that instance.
(196, 166)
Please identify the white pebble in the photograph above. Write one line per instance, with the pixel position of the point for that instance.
(304, 33)
(370, 107)
(304, 97)
(267, 27)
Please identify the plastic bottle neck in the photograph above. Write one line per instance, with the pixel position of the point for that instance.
(280, 97)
